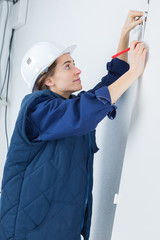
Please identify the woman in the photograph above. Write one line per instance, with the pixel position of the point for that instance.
(48, 174)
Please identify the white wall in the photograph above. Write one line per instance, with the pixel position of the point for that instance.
(95, 26)
(3, 12)
(138, 212)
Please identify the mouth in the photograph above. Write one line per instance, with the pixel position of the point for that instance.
(77, 80)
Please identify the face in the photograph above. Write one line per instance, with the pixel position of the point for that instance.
(65, 79)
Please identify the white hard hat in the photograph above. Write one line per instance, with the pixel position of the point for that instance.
(39, 58)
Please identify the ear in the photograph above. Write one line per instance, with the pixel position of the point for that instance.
(49, 82)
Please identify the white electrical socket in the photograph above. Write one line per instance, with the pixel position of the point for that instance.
(18, 14)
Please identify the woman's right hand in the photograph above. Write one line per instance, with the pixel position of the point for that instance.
(137, 56)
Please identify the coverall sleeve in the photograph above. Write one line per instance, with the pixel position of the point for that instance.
(55, 118)
(116, 68)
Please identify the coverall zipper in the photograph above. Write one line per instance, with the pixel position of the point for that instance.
(88, 177)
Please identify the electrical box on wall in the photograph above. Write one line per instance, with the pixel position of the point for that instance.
(18, 14)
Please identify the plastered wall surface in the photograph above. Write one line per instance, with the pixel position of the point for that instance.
(3, 12)
(138, 212)
(95, 27)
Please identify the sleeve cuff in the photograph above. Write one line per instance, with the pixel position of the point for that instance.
(118, 66)
(103, 95)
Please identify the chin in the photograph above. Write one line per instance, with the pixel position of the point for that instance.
(77, 89)
(80, 87)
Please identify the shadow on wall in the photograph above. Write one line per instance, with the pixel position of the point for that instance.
(138, 105)
(110, 165)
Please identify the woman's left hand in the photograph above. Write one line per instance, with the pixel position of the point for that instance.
(134, 18)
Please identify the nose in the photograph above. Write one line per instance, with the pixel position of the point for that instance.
(77, 71)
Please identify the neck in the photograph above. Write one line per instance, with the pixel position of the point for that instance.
(63, 94)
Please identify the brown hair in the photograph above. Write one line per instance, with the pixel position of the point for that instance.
(40, 82)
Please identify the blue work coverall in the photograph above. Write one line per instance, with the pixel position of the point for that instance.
(48, 175)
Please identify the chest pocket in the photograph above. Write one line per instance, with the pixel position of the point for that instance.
(94, 146)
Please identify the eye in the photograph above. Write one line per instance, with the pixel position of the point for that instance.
(67, 66)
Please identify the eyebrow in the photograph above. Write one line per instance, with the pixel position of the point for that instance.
(68, 62)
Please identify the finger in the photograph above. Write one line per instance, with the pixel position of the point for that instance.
(137, 22)
(144, 54)
(136, 13)
(139, 45)
(140, 48)
(133, 44)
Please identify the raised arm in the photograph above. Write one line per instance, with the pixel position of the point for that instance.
(133, 19)
(137, 63)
